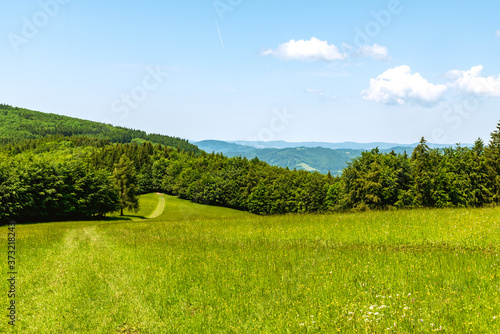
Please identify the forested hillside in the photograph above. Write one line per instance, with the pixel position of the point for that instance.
(67, 177)
(17, 124)
(59, 178)
(321, 159)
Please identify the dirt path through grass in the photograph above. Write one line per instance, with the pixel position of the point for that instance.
(159, 208)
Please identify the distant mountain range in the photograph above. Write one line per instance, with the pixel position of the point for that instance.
(344, 145)
(311, 156)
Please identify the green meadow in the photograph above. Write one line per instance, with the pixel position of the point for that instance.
(179, 267)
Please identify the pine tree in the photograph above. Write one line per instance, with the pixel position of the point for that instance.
(480, 175)
(422, 172)
(492, 153)
(125, 180)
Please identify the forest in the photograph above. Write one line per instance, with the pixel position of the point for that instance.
(53, 174)
(19, 124)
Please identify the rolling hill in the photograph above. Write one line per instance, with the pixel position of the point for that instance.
(17, 124)
(344, 145)
(317, 158)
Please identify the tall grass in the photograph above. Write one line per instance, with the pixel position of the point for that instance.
(199, 269)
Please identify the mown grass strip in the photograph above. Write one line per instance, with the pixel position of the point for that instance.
(159, 208)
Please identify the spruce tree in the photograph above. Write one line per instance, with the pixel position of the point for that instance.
(480, 175)
(125, 179)
(492, 153)
(422, 170)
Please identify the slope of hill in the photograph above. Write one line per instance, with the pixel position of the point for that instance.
(311, 159)
(319, 159)
(344, 145)
(17, 124)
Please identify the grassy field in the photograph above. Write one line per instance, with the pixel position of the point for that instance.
(201, 269)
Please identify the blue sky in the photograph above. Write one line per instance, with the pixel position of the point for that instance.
(291, 70)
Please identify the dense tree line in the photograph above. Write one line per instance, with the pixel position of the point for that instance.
(449, 177)
(42, 190)
(67, 177)
(455, 176)
(236, 182)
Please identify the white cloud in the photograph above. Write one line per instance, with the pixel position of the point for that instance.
(498, 33)
(311, 50)
(399, 86)
(317, 50)
(473, 83)
(375, 51)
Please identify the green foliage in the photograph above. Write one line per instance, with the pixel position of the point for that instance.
(460, 177)
(319, 159)
(17, 124)
(40, 189)
(69, 177)
(375, 180)
(450, 177)
(125, 179)
(217, 180)
(96, 194)
(492, 153)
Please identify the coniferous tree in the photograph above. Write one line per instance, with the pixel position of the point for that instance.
(422, 172)
(480, 180)
(492, 153)
(125, 180)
